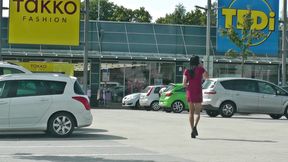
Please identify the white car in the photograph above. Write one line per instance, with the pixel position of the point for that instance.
(226, 96)
(131, 100)
(46, 102)
(149, 98)
(9, 68)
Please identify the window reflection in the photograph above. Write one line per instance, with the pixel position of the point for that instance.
(125, 77)
(264, 72)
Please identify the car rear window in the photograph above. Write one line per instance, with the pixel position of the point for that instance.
(56, 87)
(228, 84)
(77, 89)
(240, 85)
(169, 88)
(207, 84)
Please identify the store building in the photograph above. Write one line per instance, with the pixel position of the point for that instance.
(126, 57)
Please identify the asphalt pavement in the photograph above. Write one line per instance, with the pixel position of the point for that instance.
(124, 135)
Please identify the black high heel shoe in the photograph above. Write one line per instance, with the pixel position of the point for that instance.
(195, 130)
(193, 135)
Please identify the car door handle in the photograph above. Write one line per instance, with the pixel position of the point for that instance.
(44, 100)
(237, 94)
(3, 102)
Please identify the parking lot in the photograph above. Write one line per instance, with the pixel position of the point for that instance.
(123, 135)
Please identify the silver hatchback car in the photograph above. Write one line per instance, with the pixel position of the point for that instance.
(226, 96)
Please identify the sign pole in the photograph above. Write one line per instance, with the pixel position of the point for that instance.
(208, 36)
(1, 7)
(284, 42)
(86, 30)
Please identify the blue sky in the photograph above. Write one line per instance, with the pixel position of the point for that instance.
(157, 8)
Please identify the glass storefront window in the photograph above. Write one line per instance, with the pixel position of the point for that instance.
(162, 73)
(258, 71)
(125, 77)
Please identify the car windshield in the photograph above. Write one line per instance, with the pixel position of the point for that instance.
(207, 84)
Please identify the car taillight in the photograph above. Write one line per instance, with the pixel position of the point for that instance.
(210, 92)
(83, 100)
(168, 94)
(150, 90)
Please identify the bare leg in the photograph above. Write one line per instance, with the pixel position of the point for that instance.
(191, 114)
(198, 108)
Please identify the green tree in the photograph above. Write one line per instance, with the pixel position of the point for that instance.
(243, 40)
(180, 16)
(177, 17)
(165, 20)
(214, 10)
(112, 12)
(213, 15)
(122, 14)
(106, 10)
(196, 17)
(141, 15)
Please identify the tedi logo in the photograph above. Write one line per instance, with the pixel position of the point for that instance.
(261, 12)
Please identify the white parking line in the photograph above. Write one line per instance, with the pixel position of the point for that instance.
(102, 146)
(81, 155)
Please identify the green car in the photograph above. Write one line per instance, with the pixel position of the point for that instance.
(174, 98)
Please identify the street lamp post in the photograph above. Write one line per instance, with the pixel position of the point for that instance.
(1, 5)
(208, 33)
(98, 17)
(284, 43)
(208, 36)
(86, 31)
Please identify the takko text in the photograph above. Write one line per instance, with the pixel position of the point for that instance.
(47, 6)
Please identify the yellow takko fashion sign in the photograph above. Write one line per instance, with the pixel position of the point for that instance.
(51, 22)
(48, 67)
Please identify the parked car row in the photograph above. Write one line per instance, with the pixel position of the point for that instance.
(226, 96)
(148, 98)
(53, 103)
(174, 98)
(221, 96)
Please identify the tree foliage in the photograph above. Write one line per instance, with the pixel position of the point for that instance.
(193, 17)
(243, 39)
(112, 12)
(141, 15)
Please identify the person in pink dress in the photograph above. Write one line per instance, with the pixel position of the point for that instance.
(192, 81)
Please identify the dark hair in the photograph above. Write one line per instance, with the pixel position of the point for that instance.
(194, 62)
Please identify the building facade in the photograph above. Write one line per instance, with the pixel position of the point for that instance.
(126, 57)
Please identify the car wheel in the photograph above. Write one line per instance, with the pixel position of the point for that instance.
(212, 113)
(177, 107)
(137, 105)
(227, 109)
(61, 125)
(286, 113)
(275, 116)
(155, 106)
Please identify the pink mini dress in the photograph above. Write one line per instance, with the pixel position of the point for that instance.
(194, 88)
